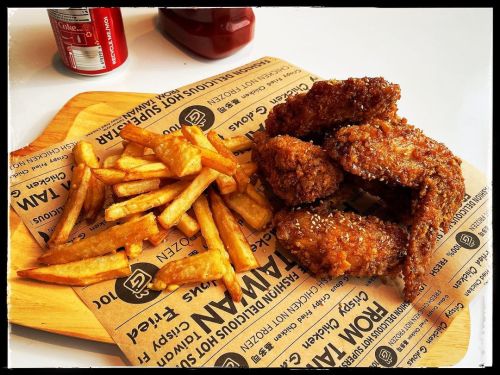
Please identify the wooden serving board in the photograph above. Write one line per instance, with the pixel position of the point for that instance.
(58, 309)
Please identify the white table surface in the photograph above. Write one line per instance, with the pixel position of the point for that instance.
(442, 58)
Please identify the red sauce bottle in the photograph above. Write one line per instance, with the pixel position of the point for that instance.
(210, 32)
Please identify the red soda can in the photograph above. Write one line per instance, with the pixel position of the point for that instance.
(91, 41)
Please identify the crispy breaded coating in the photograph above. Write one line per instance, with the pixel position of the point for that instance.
(342, 243)
(399, 155)
(297, 171)
(330, 104)
(403, 155)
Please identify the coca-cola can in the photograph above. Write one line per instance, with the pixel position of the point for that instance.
(91, 41)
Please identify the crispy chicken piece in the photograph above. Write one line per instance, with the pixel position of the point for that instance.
(342, 243)
(297, 171)
(403, 155)
(330, 104)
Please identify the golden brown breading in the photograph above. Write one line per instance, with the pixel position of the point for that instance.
(330, 104)
(399, 155)
(338, 243)
(403, 155)
(297, 171)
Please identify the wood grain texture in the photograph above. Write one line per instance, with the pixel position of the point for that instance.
(58, 309)
(49, 307)
(98, 107)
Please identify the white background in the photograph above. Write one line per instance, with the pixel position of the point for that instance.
(442, 58)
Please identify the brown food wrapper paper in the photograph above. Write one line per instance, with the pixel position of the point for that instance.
(287, 317)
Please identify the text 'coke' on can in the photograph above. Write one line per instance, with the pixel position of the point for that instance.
(91, 41)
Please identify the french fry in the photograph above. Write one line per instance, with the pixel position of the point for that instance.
(145, 201)
(249, 168)
(242, 179)
(208, 228)
(152, 167)
(94, 200)
(188, 225)
(140, 136)
(215, 160)
(211, 235)
(148, 151)
(133, 149)
(125, 189)
(146, 138)
(226, 184)
(206, 266)
(109, 176)
(126, 162)
(240, 176)
(76, 197)
(84, 153)
(235, 242)
(82, 272)
(110, 161)
(257, 196)
(158, 238)
(238, 143)
(173, 212)
(112, 176)
(103, 242)
(134, 249)
(180, 156)
(177, 133)
(253, 213)
(196, 136)
(148, 171)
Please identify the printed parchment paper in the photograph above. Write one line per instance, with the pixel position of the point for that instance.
(287, 317)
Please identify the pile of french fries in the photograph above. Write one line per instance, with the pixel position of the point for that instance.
(155, 181)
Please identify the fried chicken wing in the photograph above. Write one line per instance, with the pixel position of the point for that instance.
(400, 154)
(330, 104)
(342, 243)
(418, 182)
(297, 171)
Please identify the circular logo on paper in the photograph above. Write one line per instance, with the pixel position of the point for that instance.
(468, 240)
(134, 288)
(198, 115)
(231, 360)
(386, 356)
